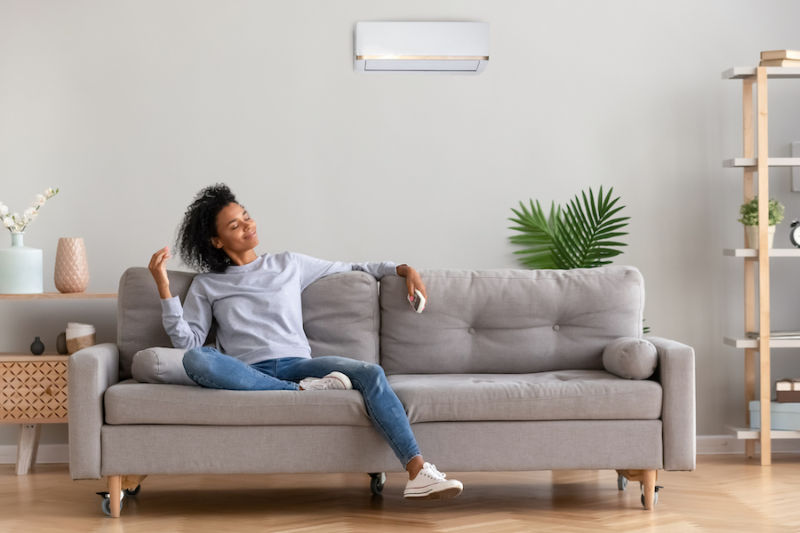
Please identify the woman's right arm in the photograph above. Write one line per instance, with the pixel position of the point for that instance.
(187, 325)
(158, 268)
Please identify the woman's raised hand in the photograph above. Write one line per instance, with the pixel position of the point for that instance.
(158, 269)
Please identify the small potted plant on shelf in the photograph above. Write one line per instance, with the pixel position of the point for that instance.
(749, 212)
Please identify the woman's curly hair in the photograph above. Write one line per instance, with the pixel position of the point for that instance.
(200, 225)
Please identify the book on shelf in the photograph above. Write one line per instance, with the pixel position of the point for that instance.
(786, 335)
(780, 63)
(787, 396)
(780, 54)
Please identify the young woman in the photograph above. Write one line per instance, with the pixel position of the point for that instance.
(256, 303)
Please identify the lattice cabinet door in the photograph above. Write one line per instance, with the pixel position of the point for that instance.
(33, 389)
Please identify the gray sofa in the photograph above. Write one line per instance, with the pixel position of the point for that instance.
(503, 371)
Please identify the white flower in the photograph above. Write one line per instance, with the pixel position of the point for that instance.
(17, 223)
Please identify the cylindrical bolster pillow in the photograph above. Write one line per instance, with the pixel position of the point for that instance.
(630, 358)
(160, 365)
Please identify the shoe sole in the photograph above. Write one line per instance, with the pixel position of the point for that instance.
(341, 377)
(443, 494)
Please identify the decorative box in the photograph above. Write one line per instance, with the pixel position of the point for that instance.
(784, 416)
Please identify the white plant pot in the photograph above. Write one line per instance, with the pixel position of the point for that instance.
(751, 236)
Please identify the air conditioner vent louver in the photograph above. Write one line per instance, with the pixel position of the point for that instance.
(421, 46)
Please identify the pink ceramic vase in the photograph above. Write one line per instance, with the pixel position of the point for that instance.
(72, 267)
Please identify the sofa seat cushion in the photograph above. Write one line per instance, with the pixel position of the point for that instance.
(130, 402)
(559, 395)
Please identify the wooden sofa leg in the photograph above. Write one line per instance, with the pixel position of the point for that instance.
(131, 482)
(648, 480)
(649, 483)
(114, 489)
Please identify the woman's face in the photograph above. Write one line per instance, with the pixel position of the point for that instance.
(236, 231)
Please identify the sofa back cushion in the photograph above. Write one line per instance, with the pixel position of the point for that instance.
(509, 321)
(340, 315)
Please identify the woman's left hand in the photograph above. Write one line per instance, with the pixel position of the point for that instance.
(413, 280)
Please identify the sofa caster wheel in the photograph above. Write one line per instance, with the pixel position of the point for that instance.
(376, 482)
(655, 494)
(622, 482)
(133, 492)
(105, 504)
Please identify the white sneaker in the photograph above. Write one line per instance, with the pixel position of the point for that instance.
(333, 381)
(431, 484)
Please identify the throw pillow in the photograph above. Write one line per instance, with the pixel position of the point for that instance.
(160, 365)
(630, 358)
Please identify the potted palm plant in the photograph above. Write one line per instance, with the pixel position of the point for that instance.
(749, 212)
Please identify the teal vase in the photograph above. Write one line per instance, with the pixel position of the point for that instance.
(20, 268)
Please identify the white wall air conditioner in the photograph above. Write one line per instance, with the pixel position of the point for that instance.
(421, 46)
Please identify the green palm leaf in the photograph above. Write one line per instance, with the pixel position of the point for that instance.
(578, 236)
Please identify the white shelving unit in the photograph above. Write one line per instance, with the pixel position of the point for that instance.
(755, 163)
(753, 253)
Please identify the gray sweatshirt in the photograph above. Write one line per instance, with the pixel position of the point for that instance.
(257, 306)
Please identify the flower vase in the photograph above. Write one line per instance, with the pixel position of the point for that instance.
(72, 267)
(20, 268)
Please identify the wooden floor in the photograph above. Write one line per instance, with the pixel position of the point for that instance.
(725, 493)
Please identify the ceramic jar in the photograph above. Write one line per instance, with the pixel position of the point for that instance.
(72, 267)
(751, 236)
(20, 268)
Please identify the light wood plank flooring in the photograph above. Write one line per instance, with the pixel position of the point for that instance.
(725, 493)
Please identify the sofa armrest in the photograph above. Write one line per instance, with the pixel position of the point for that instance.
(91, 371)
(676, 374)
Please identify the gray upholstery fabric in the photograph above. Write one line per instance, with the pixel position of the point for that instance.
(630, 358)
(144, 403)
(139, 313)
(546, 445)
(561, 395)
(509, 321)
(340, 315)
(454, 446)
(91, 371)
(676, 374)
(160, 365)
(153, 449)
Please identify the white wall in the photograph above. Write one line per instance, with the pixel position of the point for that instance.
(132, 107)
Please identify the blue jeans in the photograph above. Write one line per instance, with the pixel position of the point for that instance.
(210, 368)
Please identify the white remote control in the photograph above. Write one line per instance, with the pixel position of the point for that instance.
(417, 302)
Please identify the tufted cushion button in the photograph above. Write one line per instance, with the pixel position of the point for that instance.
(471, 331)
(555, 327)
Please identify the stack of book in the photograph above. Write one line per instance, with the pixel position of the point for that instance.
(787, 390)
(783, 335)
(780, 58)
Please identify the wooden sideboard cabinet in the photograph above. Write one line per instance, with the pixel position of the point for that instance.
(33, 388)
(33, 391)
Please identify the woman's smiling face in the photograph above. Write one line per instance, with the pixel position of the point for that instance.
(236, 231)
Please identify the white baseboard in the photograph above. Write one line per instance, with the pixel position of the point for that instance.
(48, 453)
(706, 445)
(721, 444)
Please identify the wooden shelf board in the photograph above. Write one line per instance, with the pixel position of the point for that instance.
(738, 73)
(18, 356)
(60, 296)
(753, 343)
(750, 433)
(740, 162)
(753, 252)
